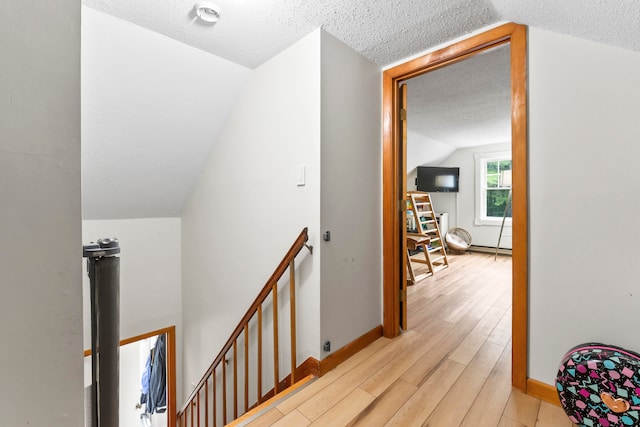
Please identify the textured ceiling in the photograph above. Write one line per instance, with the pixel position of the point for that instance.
(252, 31)
(149, 119)
(474, 110)
(612, 22)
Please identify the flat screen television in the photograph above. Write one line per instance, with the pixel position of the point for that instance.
(434, 179)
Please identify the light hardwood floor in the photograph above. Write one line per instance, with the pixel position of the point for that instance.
(451, 368)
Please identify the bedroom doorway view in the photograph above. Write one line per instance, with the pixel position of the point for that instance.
(460, 137)
(458, 166)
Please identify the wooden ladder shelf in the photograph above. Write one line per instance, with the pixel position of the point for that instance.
(427, 226)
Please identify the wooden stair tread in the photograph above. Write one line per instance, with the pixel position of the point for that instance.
(273, 401)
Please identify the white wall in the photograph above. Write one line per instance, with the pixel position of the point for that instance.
(350, 197)
(130, 384)
(246, 210)
(150, 276)
(461, 206)
(583, 193)
(423, 151)
(40, 284)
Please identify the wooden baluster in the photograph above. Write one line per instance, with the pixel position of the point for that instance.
(276, 373)
(271, 286)
(260, 353)
(235, 379)
(292, 306)
(215, 400)
(206, 403)
(191, 409)
(224, 390)
(246, 367)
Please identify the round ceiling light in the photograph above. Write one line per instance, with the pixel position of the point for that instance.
(207, 11)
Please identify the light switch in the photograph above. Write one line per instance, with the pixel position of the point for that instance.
(300, 172)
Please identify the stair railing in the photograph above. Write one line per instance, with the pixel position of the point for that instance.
(202, 407)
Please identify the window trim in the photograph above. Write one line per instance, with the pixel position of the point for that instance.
(481, 160)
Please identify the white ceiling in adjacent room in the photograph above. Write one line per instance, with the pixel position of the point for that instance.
(464, 104)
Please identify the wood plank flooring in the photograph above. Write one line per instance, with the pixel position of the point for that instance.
(451, 368)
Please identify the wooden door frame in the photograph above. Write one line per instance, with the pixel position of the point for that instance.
(393, 261)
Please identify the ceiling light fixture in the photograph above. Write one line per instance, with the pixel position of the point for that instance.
(207, 11)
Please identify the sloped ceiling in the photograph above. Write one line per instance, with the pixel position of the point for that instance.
(151, 109)
(157, 89)
(252, 31)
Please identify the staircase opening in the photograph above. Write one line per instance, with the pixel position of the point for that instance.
(259, 360)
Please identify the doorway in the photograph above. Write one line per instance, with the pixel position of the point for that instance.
(134, 354)
(394, 185)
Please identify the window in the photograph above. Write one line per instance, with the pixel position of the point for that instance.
(493, 185)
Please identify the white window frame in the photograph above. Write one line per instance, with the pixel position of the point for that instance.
(481, 159)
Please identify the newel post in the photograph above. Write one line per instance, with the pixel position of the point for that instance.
(104, 273)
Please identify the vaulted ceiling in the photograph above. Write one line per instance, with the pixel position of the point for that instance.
(150, 115)
(252, 31)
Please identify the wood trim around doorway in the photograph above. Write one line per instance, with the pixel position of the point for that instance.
(392, 196)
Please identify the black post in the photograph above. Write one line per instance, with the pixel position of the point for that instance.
(104, 275)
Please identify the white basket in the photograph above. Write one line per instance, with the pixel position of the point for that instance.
(458, 239)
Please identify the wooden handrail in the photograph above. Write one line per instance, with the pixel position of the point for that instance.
(256, 308)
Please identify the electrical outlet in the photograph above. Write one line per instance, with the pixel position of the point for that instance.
(327, 346)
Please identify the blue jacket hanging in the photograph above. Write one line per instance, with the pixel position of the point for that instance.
(144, 382)
(157, 397)
(154, 379)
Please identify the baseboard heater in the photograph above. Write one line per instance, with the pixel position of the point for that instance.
(491, 250)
